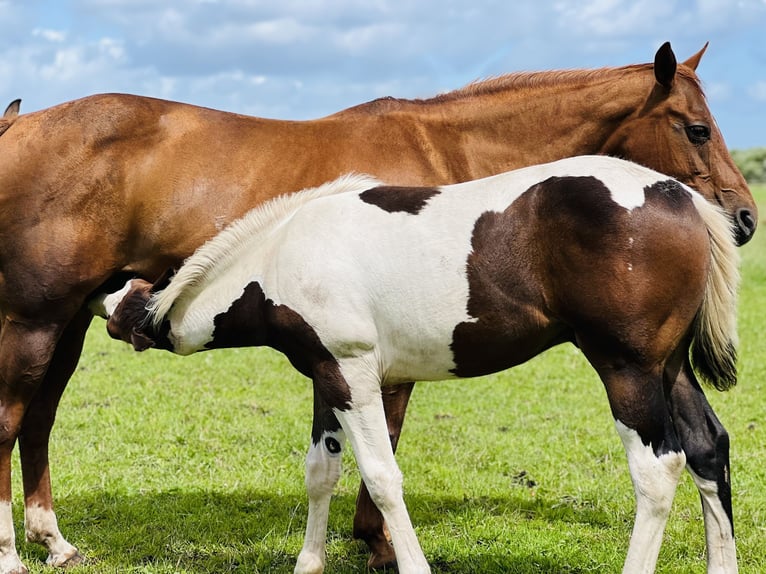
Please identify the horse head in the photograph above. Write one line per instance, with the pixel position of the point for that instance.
(675, 133)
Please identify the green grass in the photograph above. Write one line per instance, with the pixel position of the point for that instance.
(165, 464)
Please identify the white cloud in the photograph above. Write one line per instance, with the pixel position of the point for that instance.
(758, 90)
(612, 18)
(718, 91)
(50, 35)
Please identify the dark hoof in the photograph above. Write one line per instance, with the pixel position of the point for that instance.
(74, 560)
(382, 558)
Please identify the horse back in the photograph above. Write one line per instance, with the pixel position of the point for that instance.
(114, 182)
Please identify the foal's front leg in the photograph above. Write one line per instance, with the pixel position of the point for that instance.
(323, 468)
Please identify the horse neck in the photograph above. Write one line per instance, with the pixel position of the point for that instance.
(544, 116)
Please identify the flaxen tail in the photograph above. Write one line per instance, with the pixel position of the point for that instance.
(714, 346)
(10, 115)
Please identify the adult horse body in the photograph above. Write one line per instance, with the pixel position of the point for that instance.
(111, 185)
(362, 286)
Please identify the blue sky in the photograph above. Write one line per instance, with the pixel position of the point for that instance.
(300, 59)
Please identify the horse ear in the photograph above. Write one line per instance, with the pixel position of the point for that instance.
(694, 61)
(12, 110)
(665, 66)
(11, 113)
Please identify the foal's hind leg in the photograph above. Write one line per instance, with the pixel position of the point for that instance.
(323, 467)
(706, 444)
(368, 521)
(365, 424)
(655, 458)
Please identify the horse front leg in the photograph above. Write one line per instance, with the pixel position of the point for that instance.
(368, 521)
(323, 468)
(706, 444)
(25, 354)
(41, 525)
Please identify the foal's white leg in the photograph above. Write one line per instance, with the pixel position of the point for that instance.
(365, 426)
(722, 552)
(323, 467)
(654, 480)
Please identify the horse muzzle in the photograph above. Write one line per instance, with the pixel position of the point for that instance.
(745, 222)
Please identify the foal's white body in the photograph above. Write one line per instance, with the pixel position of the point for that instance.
(384, 291)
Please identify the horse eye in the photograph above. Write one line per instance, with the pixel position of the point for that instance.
(698, 134)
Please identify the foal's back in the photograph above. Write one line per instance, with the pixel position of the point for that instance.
(473, 278)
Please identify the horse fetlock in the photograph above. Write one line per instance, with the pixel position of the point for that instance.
(309, 563)
(41, 527)
(382, 555)
(10, 563)
(65, 560)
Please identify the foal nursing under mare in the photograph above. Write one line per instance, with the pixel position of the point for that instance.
(114, 185)
(363, 285)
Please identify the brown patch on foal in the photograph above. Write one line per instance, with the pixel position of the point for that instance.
(561, 258)
(254, 320)
(399, 199)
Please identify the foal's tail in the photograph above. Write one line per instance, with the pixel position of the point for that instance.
(714, 344)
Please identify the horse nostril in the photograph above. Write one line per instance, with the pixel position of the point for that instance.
(745, 225)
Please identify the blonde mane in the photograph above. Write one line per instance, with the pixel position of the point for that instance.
(218, 253)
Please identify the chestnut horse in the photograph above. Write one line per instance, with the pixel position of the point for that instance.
(109, 185)
(364, 286)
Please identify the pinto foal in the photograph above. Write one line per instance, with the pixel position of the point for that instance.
(364, 285)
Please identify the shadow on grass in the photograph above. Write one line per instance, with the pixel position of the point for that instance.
(253, 531)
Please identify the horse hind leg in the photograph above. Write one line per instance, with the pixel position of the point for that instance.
(323, 468)
(41, 525)
(25, 354)
(706, 444)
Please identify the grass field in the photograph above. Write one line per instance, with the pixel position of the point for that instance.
(166, 464)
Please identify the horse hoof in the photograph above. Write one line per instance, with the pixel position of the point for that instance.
(75, 560)
(66, 562)
(382, 558)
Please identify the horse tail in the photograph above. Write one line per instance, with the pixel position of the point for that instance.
(10, 115)
(714, 343)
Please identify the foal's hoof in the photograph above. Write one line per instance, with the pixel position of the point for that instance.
(66, 561)
(382, 557)
(75, 560)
